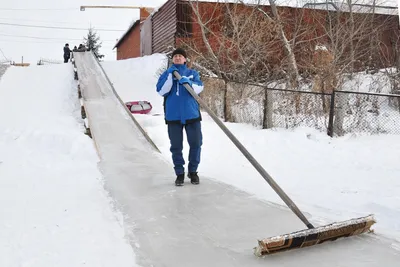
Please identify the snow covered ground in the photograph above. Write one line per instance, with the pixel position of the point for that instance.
(53, 208)
(333, 179)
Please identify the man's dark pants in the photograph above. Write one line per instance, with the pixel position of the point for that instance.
(195, 140)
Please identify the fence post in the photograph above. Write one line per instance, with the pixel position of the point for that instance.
(331, 114)
(268, 108)
(225, 100)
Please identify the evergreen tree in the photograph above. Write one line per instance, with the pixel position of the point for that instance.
(92, 42)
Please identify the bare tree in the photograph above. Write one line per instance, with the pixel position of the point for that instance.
(353, 36)
(357, 36)
(238, 42)
(292, 64)
(255, 43)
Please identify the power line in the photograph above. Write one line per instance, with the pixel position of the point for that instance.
(3, 54)
(59, 28)
(47, 21)
(38, 42)
(37, 9)
(46, 38)
(27, 42)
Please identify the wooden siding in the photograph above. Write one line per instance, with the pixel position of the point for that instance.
(146, 37)
(164, 27)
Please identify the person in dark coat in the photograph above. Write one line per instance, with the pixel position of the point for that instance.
(82, 48)
(182, 112)
(67, 53)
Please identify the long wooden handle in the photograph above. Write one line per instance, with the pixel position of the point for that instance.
(251, 159)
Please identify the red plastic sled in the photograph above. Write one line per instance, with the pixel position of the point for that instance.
(139, 107)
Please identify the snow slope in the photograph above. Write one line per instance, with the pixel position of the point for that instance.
(53, 208)
(333, 179)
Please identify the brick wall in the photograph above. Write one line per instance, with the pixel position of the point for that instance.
(130, 47)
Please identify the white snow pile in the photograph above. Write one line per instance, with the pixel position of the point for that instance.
(53, 208)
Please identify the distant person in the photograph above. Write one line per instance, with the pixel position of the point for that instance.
(182, 111)
(75, 49)
(67, 53)
(81, 48)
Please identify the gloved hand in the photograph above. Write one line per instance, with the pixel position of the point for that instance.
(172, 69)
(185, 80)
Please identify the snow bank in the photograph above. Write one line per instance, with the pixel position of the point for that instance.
(53, 208)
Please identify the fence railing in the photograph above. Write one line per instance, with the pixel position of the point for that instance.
(44, 61)
(336, 113)
(3, 69)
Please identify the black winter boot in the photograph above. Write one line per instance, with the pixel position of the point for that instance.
(194, 178)
(179, 179)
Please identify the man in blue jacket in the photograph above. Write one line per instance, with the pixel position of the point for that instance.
(182, 112)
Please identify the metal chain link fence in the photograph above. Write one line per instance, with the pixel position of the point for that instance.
(338, 113)
(366, 113)
(291, 109)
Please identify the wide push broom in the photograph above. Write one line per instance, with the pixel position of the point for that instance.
(304, 238)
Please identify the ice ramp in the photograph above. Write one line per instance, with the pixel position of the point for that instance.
(211, 224)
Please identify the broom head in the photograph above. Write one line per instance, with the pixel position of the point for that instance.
(310, 237)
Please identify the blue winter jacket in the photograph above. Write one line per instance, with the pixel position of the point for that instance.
(179, 105)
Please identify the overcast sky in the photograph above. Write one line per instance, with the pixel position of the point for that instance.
(48, 43)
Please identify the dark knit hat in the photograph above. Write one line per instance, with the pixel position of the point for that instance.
(179, 51)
